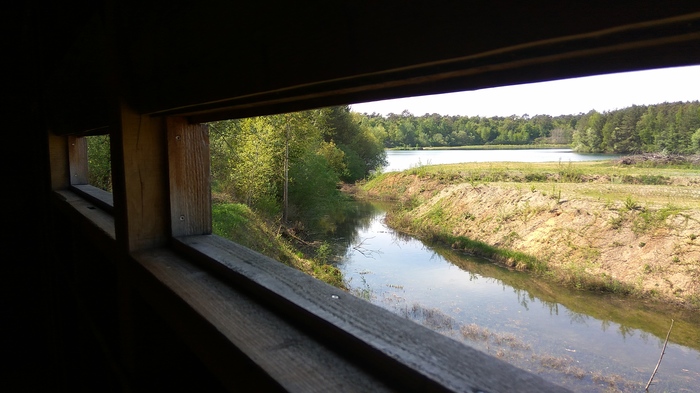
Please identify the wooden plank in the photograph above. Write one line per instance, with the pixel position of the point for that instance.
(294, 360)
(188, 166)
(102, 222)
(421, 359)
(58, 161)
(180, 82)
(103, 199)
(78, 160)
(140, 185)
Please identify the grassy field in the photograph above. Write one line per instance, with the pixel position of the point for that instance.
(678, 184)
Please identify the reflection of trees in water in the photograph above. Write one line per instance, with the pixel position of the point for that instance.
(626, 331)
(525, 298)
(552, 306)
(358, 218)
(577, 317)
(397, 238)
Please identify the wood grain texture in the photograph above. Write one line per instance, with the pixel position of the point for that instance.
(58, 161)
(101, 221)
(78, 160)
(103, 199)
(294, 360)
(401, 350)
(188, 167)
(140, 184)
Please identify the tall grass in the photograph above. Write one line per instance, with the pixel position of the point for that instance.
(239, 223)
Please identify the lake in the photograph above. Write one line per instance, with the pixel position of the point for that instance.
(400, 160)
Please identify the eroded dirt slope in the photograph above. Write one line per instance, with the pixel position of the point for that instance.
(653, 248)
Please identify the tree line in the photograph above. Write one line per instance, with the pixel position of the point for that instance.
(670, 127)
(406, 130)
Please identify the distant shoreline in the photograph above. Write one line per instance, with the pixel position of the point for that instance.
(484, 147)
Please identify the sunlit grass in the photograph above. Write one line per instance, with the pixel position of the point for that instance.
(600, 180)
(239, 223)
(607, 167)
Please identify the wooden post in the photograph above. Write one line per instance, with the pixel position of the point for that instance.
(58, 161)
(189, 173)
(140, 181)
(78, 160)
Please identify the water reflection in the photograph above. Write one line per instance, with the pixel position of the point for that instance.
(399, 160)
(569, 335)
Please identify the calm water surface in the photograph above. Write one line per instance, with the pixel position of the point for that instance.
(579, 340)
(400, 160)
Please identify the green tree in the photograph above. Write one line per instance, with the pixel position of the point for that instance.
(291, 163)
(695, 141)
(99, 162)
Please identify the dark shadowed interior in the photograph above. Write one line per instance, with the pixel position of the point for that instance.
(130, 292)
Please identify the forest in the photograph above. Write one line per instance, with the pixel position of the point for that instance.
(290, 165)
(667, 127)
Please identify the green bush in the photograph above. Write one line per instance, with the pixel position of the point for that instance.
(313, 192)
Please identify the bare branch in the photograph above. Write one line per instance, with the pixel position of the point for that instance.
(367, 253)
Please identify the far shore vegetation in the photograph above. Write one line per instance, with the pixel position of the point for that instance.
(673, 128)
(488, 147)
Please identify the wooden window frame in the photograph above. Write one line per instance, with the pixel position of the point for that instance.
(296, 332)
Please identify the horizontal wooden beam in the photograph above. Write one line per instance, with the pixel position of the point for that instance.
(351, 52)
(101, 198)
(98, 224)
(355, 45)
(225, 326)
(412, 357)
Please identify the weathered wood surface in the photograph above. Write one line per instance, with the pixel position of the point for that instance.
(58, 161)
(140, 184)
(365, 60)
(188, 166)
(78, 160)
(293, 359)
(422, 360)
(103, 199)
(98, 218)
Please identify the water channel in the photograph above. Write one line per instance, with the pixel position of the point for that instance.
(584, 341)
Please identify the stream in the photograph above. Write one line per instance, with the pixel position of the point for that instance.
(583, 341)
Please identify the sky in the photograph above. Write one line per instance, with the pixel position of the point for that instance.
(563, 97)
